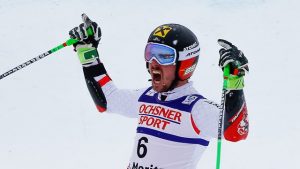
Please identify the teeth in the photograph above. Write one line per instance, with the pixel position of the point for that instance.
(156, 72)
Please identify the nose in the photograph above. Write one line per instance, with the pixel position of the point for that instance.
(154, 63)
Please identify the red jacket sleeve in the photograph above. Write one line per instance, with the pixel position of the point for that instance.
(236, 124)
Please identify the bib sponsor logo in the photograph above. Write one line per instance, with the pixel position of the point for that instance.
(158, 117)
(137, 166)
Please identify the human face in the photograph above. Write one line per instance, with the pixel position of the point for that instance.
(162, 76)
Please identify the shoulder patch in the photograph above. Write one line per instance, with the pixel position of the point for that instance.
(189, 99)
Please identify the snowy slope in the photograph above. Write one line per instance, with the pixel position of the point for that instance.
(48, 120)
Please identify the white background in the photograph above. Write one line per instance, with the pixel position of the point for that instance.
(48, 119)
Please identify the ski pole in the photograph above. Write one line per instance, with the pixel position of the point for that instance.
(69, 42)
(221, 117)
(41, 56)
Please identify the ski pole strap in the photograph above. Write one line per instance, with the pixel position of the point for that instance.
(232, 82)
(226, 74)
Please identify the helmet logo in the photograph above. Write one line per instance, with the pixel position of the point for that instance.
(191, 47)
(190, 53)
(162, 31)
(190, 69)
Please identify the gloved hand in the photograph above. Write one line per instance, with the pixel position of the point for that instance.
(86, 47)
(232, 56)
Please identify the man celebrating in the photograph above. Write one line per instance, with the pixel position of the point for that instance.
(175, 123)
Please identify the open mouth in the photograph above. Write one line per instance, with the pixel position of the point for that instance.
(156, 76)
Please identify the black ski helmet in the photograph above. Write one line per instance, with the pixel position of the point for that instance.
(184, 41)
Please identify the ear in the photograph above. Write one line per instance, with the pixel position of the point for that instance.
(147, 66)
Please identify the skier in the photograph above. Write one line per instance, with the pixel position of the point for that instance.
(175, 123)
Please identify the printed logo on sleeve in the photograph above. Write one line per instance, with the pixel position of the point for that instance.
(189, 100)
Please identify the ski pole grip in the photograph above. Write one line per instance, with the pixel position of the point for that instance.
(71, 41)
(90, 31)
(86, 20)
(226, 73)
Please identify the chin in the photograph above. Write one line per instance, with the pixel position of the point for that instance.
(159, 88)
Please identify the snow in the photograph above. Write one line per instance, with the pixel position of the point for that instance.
(48, 119)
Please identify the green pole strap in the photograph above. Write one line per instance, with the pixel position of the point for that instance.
(67, 43)
(71, 42)
(226, 73)
(90, 31)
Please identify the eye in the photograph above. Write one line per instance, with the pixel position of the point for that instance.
(152, 55)
(166, 56)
